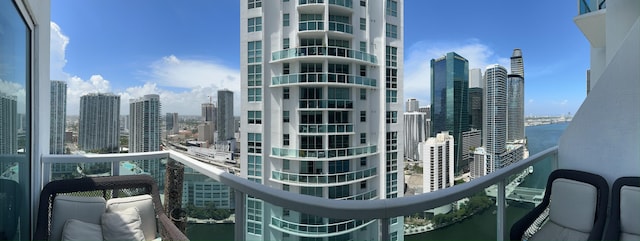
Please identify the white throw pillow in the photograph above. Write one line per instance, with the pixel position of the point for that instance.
(82, 231)
(122, 225)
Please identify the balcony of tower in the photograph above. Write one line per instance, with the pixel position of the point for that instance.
(323, 179)
(329, 79)
(318, 230)
(324, 154)
(309, 53)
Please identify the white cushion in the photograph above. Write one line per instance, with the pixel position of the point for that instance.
(122, 225)
(144, 204)
(630, 210)
(81, 231)
(573, 204)
(553, 231)
(86, 209)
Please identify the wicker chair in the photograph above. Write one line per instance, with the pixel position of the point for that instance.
(107, 187)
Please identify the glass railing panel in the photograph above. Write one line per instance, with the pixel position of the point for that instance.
(311, 26)
(322, 51)
(303, 2)
(344, 3)
(340, 27)
(470, 218)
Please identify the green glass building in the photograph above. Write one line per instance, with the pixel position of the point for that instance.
(449, 100)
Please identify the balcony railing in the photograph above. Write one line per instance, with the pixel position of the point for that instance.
(336, 178)
(301, 78)
(382, 210)
(323, 51)
(325, 128)
(304, 2)
(343, 3)
(311, 25)
(340, 27)
(326, 104)
(319, 230)
(324, 154)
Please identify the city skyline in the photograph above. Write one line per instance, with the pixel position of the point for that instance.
(188, 66)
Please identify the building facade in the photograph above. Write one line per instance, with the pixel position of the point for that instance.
(412, 105)
(58, 116)
(449, 100)
(437, 158)
(171, 123)
(9, 125)
(415, 131)
(470, 141)
(145, 133)
(475, 108)
(495, 113)
(99, 125)
(225, 122)
(515, 107)
(517, 63)
(321, 97)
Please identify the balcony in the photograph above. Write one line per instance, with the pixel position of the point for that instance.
(342, 3)
(340, 27)
(323, 179)
(329, 78)
(311, 26)
(587, 6)
(349, 208)
(331, 154)
(322, 52)
(325, 128)
(326, 104)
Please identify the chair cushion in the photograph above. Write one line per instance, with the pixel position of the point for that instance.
(144, 204)
(573, 204)
(122, 225)
(81, 231)
(629, 210)
(553, 231)
(86, 209)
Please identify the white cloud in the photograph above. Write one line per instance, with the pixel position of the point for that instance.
(417, 75)
(182, 83)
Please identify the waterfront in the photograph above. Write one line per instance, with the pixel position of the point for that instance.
(481, 226)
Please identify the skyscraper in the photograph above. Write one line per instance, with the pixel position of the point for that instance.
(515, 107)
(449, 97)
(226, 125)
(171, 122)
(145, 132)
(495, 114)
(412, 105)
(517, 64)
(475, 108)
(99, 127)
(321, 97)
(415, 131)
(58, 116)
(475, 78)
(8, 124)
(437, 157)
(208, 112)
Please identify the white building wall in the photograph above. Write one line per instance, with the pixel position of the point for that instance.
(437, 158)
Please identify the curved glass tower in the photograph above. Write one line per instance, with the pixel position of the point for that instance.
(321, 111)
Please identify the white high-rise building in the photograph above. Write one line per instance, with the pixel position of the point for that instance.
(495, 113)
(478, 166)
(415, 131)
(99, 125)
(412, 105)
(321, 97)
(58, 116)
(437, 162)
(209, 118)
(145, 132)
(475, 78)
(225, 123)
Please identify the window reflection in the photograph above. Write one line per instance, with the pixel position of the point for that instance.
(14, 123)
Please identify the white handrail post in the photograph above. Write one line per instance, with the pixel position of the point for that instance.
(239, 216)
(500, 219)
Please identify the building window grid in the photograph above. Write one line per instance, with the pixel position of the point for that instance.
(254, 4)
(392, 96)
(285, 116)
(363, 138)
(392, 31)
(254, 216)
(285, 20)
(363, 46)
(392, 117)
(254, 94)
(285, 43)
(392, 141)
(254, 142)
(254, 24)
(254, 117)
(254, 52)
(363, 94)
(392, 8)
(363, 24)
(254, 166)
(285, 139)
(285, 93)
(363, 116)
(254, 75)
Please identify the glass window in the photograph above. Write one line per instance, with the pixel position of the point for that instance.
(363, 94)
(392, 96)
(392, 117)
(254, 141)
(285, 165)
(285, 68)
(285, 20)
(254, 75)
(285, 43)
(363, 185)
(254, 94)
(254, 24)
(363, 46)
(285, 93)
(392, 31)
(363, 24)
(363, 116)
(285, 139)
(392, 8)
(255, 3)
(363, 138)
(254, 117)
(15, 84)
(363, 161)
(391, 55)
(254, 52)
(285, 116)
(363, 3)
(363, 70)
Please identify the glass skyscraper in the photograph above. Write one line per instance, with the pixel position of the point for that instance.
(449, 100)
(495, 114)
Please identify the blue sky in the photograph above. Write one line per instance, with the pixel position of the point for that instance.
(186, 50)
